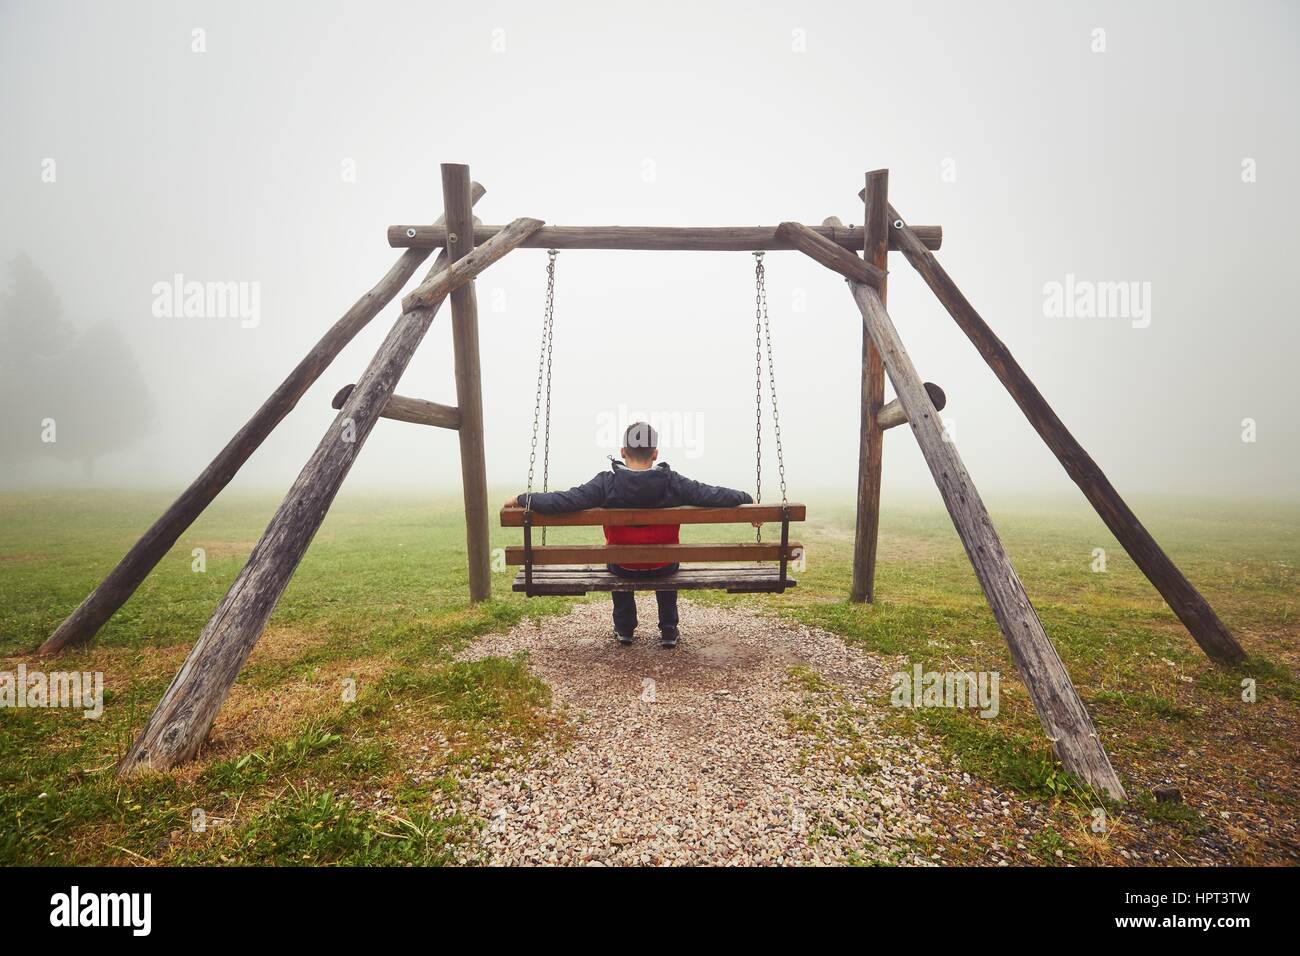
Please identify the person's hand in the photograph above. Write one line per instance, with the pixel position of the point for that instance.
(511, 502)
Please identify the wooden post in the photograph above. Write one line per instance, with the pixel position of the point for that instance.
(103, 602)
(178, 725)
(871, 436)
(1182, 597)
(459, 215)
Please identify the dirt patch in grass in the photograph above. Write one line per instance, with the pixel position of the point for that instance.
(253, 717)
(126, 667)
(286, 644)
(227, 549)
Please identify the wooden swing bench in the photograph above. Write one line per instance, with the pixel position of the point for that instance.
(568, 569)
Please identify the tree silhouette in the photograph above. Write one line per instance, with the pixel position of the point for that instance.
(89, 385)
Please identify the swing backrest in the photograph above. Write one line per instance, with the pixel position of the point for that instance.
(513, 517)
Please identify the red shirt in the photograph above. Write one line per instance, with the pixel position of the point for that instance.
(642, 534)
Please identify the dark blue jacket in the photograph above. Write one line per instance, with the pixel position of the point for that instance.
(622, 487)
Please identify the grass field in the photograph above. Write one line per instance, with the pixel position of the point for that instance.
(297, 774)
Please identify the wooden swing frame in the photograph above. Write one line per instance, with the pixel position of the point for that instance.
(179, 724)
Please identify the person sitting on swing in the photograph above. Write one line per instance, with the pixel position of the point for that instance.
(636, 482)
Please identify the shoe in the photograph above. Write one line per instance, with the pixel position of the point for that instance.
(624, 639)
(668, 637)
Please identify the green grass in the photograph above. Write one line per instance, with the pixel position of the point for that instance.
(384, 583)
(312, 827)
(380, 597)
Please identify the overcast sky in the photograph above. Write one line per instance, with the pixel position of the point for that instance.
(1079, 144)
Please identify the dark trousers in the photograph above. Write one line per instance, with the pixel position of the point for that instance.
(625, 601)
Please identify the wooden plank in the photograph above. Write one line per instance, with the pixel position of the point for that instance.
(102, 603)
(833, 256)
(686, 579)
(649, 238)
(741, 514)
(469, 388)
(417, 411)
(176, 728)
(1182, 597)
(647, 553)
(744, 586)
(871, 438)
(706, 571)
(767, 585)
(893, 414)
(701, 570)
(1064, 718)
(709, 572)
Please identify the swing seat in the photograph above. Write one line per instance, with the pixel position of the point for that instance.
(576, 581)
(577, 569)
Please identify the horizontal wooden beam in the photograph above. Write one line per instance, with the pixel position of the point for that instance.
(417, 411)
(651, 238)
(741, 514)
(649, 553)
(835, 257)
(895, 414)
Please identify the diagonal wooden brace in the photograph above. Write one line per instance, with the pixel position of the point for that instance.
(1061, 712)
(1180, 594)
(829, 254)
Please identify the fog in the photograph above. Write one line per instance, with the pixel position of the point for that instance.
(271, 144)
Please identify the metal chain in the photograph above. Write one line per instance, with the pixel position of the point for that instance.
(550, 345)
(759, 296)
(771, 383)
(762, 340)
(543, 374)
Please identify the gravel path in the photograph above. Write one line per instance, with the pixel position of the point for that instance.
(753, 742)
